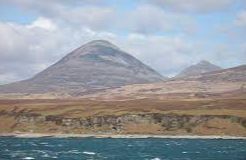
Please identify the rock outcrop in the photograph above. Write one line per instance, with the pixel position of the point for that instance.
(152, 123)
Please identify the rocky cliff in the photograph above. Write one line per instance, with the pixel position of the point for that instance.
(151, 123)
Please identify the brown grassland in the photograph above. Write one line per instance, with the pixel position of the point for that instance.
(86, 108)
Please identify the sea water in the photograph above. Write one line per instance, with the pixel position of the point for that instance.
(121, 149)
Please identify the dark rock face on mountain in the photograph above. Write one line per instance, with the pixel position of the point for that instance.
(94, 66)
(199, 68)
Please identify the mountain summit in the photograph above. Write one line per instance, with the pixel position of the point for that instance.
(199, 68)
(96, 65)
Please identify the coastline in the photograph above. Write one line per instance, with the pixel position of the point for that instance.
(137, 136)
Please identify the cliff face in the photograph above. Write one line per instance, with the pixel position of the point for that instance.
(151, 123)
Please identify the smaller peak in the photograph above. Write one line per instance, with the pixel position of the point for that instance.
(101, 43)
(204, 62)
(197, 69)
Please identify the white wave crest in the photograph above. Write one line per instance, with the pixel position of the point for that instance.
(90, 153)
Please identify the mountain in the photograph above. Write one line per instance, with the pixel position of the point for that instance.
(235, 74)
(229, 82)
(94, 66)
(197, 69)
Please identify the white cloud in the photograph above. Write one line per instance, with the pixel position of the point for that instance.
(230, 56)
(145, 18)
(195, 5)
(43, 23)
(78, 13)
(98, 18)
(24, 48)
(241, 19)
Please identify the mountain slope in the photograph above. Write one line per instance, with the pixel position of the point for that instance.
(197, 69)
(235, 74)
(94, 66)
(229, 82)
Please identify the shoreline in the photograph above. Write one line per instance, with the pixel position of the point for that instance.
(136, 136)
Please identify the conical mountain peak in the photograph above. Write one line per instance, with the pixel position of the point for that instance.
(94, 47)
(96, 43)
(204, 62)
(96, 65)
(202, 67)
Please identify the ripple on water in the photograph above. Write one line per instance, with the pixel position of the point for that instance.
(49, 156)
(45, 156)
(44, 143)
(89, 153)
(74, 151)
(28, 158)
(33, 144)
(55, 157)
(39, 151)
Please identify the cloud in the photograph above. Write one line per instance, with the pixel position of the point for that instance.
(235, 30)
(98, 18)
(77, 12)
(151, 19)
(25, 48)
(51, 4)
(234, 54)
(241, 19)
(43, 23)
(145, 18)
(202, 6)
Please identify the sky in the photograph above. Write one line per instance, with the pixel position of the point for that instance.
(167, 35)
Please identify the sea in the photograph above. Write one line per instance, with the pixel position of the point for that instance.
(12, 148)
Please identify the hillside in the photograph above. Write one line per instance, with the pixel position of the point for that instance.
(223, 83)
(235, 74)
